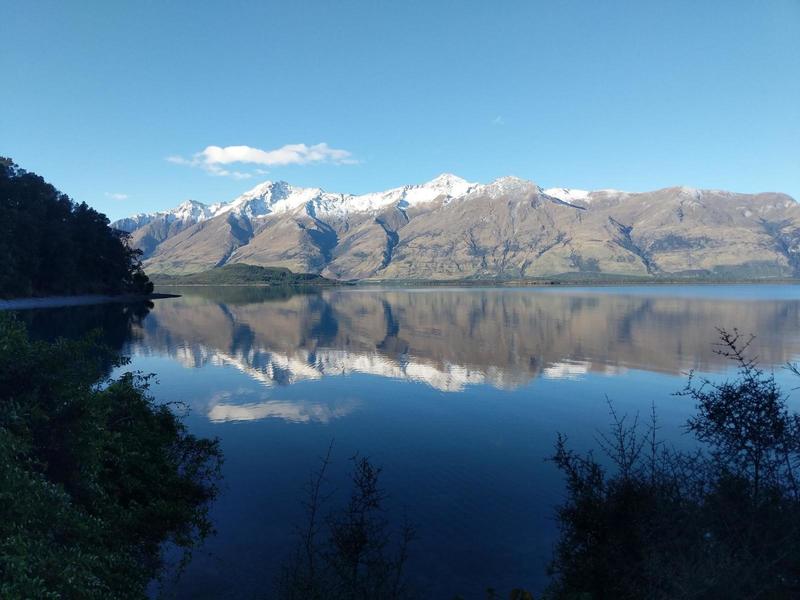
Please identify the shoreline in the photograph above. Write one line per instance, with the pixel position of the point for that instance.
(91, 299)
(571, 284)
(466, 283)
(78, 300)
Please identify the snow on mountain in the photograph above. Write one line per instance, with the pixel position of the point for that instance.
(509, 185)
(280, 197)
(567, 194)
(270, 197)
(133, 222)
(450, 229)
(189, 210)
(582, 198)
(445, 187)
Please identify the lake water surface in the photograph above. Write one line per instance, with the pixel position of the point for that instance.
(457, 393)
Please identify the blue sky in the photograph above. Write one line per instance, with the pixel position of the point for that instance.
(116, 103)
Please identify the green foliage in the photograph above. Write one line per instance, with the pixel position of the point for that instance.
(723, 522)
(94, 479)
(240, 273)
(51, 245)
(245, 294)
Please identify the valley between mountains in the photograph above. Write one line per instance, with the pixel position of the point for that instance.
(451, 229)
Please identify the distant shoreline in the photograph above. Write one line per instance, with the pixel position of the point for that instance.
(571, 282)
(79, 300)
(256, 284)
(243, 274)
(90, 299)
(393, 283)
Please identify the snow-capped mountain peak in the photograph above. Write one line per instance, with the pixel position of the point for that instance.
(190, 209)
(274, 197)
(255, 200)
(452, 185)
(510, 185)
(446, 186)
(448, 228)
(268, 198)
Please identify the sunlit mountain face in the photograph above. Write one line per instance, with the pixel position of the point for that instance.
(453, 339)
(450, 229)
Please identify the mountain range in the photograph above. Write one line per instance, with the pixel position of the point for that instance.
(449, 229)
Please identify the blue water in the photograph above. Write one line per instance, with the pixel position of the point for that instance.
(457, 393)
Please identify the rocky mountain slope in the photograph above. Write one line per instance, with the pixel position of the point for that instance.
(449, 228)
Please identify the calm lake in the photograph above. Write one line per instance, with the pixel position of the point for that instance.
(457, 393)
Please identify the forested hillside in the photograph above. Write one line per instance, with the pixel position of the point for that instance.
(51, 245)
(242, 274)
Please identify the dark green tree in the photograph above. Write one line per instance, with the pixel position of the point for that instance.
(722, 522)
(95, 477)
(51, 245)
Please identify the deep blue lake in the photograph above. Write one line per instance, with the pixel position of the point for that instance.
(457, 393)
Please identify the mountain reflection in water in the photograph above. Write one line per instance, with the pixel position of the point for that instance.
(450, 339)
(457, 393)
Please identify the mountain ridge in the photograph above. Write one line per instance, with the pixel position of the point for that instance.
(450, 228)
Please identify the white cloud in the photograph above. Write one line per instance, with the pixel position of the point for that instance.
(498, 120)
(116, 196)
(215, 159)
(234, 406)
(296, 412)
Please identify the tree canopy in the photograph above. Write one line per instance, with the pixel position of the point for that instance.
(51, 245)
(720, 522)
(95, 478)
